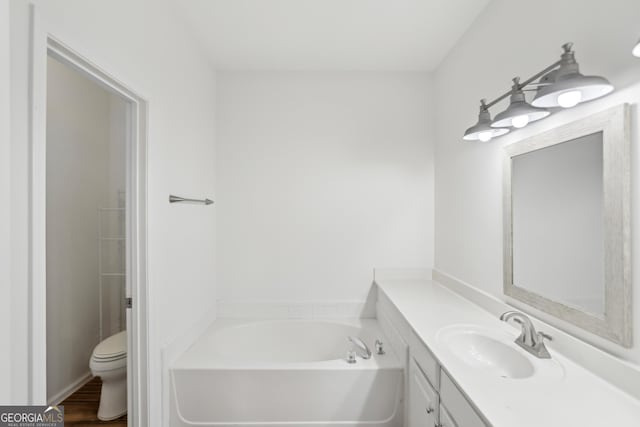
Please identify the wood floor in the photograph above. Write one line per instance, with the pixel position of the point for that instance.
(81, 408)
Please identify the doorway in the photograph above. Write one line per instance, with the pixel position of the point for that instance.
(88, 224)
(85, 225)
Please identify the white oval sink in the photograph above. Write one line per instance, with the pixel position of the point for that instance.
(482, 349)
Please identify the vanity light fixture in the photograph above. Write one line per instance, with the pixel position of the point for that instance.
(560, 85)
(567, 86)
(519, 113)
(636, 50)
(482, 131)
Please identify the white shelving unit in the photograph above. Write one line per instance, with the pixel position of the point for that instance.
(116, 244)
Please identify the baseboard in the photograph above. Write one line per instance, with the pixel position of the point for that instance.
(570, 341)
(171, 351)
(57, 398)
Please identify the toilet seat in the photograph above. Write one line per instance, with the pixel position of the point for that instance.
(112, 348)
(99, 366)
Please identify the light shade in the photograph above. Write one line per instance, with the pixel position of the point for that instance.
(519, 113)
(636, 50)
(567, 87)
(482, 131)
(589, 87)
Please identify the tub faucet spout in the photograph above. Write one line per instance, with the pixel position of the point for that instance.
(365, 353)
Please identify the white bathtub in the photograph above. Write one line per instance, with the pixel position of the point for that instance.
(286, 373)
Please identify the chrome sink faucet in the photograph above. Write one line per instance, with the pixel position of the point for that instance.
(529, 339)
(365, 353)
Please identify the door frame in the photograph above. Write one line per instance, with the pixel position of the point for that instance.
(43, 45)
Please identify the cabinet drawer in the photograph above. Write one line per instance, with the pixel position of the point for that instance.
(425, 360)
(423, 399)
(457, 405)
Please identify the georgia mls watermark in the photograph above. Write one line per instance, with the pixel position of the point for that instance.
(31, 416)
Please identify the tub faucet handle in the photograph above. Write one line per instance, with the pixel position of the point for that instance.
(379, 347)
(351, 356)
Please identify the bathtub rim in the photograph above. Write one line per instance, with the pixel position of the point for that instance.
(188, 360)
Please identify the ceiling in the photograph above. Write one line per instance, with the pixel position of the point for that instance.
(328, 34)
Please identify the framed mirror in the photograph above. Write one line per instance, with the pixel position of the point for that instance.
(567, 223)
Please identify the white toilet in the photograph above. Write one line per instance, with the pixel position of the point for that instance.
(109, 362)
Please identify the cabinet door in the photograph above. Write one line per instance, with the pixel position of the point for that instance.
(458, 408)
(425, 359)
(423, 399)
(445, 418)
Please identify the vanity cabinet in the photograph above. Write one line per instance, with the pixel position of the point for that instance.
(423, 399)
(458, 407)
(446, 420)
(433, 398)
(425, 360)
(443, 407)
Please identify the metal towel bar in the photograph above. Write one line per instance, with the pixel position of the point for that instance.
(176, 199)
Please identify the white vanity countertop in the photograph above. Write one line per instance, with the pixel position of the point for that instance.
(579, 398)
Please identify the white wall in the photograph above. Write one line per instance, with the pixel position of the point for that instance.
(506, 41)
(141, 44)
(5, 225)
(322, 176)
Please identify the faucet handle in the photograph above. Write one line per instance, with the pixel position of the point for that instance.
(545, 336)
(379, 347)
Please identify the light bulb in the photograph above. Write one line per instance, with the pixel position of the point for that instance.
(520, 121)
(485, 136)
(569, 99)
